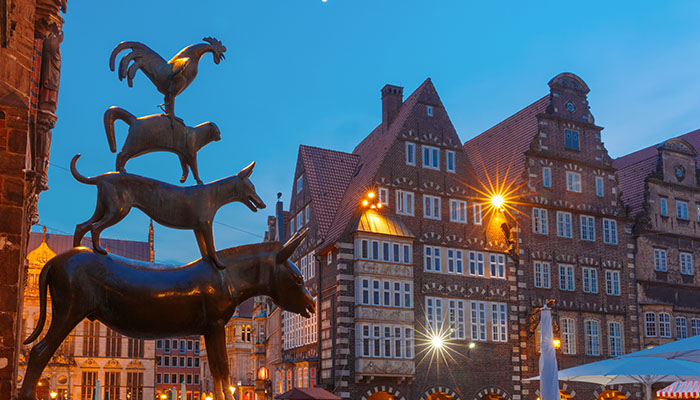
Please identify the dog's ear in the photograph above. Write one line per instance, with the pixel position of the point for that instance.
(245, 172)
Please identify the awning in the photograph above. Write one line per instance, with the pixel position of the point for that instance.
(681, 390)
(373, 222)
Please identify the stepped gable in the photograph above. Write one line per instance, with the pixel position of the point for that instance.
(125, 248)
(327, 174)
(501, 149)
(634, 168)
(371, 152)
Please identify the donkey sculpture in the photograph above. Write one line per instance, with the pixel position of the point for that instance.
(149, 301)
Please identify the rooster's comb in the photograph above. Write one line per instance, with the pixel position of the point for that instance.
(212, 41)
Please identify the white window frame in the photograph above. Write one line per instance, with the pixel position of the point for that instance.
(456, 318)
(432, 258)
(660, 260)
(567, 278)
(650, 329)
(682, 210)
(564, 225)
(592, 330)
(568, 335)
(686, 262)
(547, 177)
(681, 328)
(542, 272)
(429, 110)
(410, 155)
(663, 206)
(431, 207)
(499, 322)
(433, 157)
(300, 183)
(384, 196)
(609, 231)
(455, 261)
(573, 182)
(458, 211)
(476, 263)
(612, 282)
(497, 264)
(478, 320)
(587, 228)
(614, 339)
(404, 202)
(694, 326)
(540, 223)
(665, 325)
(477, 213)
(590, 280)
(451, 161)
(599, 186)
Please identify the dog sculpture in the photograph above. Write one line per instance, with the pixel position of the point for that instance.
(160, 133)
(177, 207)
(149, 301)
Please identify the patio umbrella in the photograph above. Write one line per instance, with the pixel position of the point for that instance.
(549, 385)
(97, 393)
(621, 370)
(681, 390)
(183, 391)
(684, 349)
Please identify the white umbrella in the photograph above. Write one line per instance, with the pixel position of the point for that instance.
(549, 384)
(183, 391)
(621, 370)
(684, 349)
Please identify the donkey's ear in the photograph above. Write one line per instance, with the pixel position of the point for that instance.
(291, 245)
(245, 172)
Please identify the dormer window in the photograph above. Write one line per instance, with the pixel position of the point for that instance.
(429, 110)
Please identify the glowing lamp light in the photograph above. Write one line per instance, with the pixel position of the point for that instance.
(379, 205)
(263, 373)
(232, 389)
(163, 396)
(53, 394)
(370, 195)
(472, 345)
(365, 202)
(497, 201)
(208, 397)
(436, 342)
(556, 343)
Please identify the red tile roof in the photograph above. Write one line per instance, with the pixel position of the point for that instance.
(371, 152)
(634, 168)
(313, 393)
(60, 243)
(501, 149)
(327, 174)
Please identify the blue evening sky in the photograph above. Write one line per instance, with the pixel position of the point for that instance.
(309, 72)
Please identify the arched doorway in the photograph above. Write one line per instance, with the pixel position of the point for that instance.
(381, 396)
(611, 394)
(565, 395)
(440, 393)
(492, 393)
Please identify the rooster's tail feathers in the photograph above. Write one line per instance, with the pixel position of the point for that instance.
(134, 46)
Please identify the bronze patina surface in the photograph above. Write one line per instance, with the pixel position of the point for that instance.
(191, 207)
(148, 301)
(159, 133)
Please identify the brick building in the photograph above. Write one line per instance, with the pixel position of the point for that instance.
(178, 361)
(422, 259)
(124, 366)
(30, 66)
(660, 186)
(575, 237)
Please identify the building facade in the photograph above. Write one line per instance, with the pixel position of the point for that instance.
(30, 69)
(124, 366)
(409, 263)
(660, 187)
(178, 362)
(575, 242)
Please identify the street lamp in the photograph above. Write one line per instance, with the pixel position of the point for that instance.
(497, 202)
(53, 394)
(436, 342)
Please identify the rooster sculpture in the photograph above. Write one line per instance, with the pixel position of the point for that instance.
(171, 77)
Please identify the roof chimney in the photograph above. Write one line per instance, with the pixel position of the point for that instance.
(279, 216)
(392, 99)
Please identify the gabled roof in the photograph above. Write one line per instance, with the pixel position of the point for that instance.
(634, 168)
(371, 152)
(125, 248)
(327, 174)
(501, 149)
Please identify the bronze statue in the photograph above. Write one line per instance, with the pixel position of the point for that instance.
(160, 133)
(171, 77)
(144, 300)
(177, 207)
